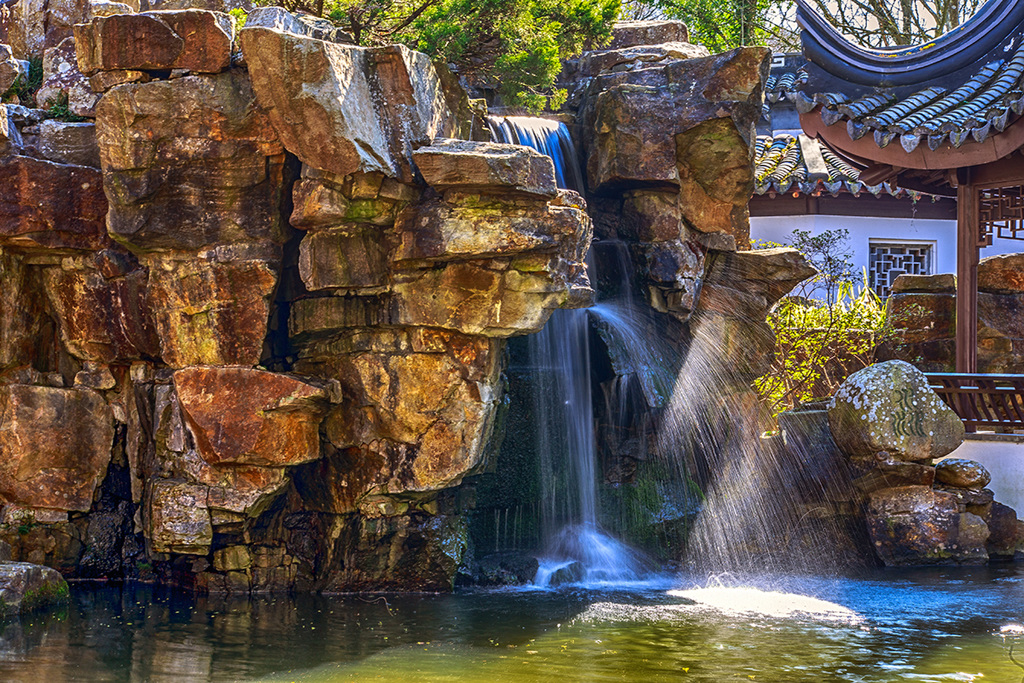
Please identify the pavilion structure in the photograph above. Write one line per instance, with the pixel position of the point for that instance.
(944, 118)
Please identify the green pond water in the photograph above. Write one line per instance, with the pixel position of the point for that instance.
(934, 625)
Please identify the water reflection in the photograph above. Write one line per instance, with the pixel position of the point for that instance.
(936, 625)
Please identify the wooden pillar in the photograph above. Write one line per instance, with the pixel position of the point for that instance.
(967, 228)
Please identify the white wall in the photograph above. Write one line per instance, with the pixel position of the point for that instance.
(1003, 456)
(940, 233)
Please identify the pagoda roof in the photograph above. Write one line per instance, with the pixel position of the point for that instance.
(948, 103)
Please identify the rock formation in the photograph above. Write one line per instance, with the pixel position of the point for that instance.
(254, 306)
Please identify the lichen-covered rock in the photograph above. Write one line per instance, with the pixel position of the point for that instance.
(467, 165)
(9, 69)
(69, 143)
(343, 108)
(915, 525)
(966, 474)
(192, 39)
(177, 519)
(251, 417)
(890, 407)
(189, 164)
(645, 55)
(62, 81)
(55, 445)
(72, 218)
(28, 587)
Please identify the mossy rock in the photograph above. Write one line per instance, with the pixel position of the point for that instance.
(26, 587)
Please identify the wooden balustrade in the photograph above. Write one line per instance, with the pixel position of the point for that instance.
(982, 400)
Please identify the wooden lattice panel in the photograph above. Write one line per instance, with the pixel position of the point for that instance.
(1001, 214)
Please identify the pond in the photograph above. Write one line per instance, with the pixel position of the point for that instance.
(949, 624)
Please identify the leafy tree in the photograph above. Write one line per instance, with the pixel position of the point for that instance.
(725, 24)
(821, 341)
(515, 45)
(888, 23)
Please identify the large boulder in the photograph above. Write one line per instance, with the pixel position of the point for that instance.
(916, 525)
(630, 33)
(190, 163)
(251, 417)
(21, 310)
(688, 125)
(101, 309)
(30, 27)
(69, 142)
(890, 407)
(28, 587)
(192, 39)
(1001, 274)
(72, 218)
(55, 445)
(343, 108)
(177, 519)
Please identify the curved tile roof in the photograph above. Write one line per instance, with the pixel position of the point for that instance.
(980, 106)
(785, 163)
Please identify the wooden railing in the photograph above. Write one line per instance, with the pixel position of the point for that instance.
(982, 400)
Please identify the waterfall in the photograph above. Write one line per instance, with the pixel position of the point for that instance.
(577, 548)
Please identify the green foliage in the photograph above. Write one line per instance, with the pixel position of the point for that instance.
(58, 109)
(818, 345)
(514, 45)
(239, 16)
(819, 342)
(25, 88)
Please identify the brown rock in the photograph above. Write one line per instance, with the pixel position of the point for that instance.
(1002, 274)
(346, 109)
(485, 166)
(767, 273)
(944, 283)
(638, 56)
(73, 217)
(251, 417)
(103, 81)
(195, 166)
(54, 446)
(232, 558)
(30, 27)
(192, 39)
(21, 311)
(961, 473)
(443, 231)
(63, 81)
(347, 258)
(1005, 533)
(922, 317)
(210, 313)
(914, 525)
(177, 519)
(102, 319)
(712, 104)
(630, 33)
(882, 471)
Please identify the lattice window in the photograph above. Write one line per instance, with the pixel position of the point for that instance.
(1001, 213)
(889, 260)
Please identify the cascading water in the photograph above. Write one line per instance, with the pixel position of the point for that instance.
(577, 548)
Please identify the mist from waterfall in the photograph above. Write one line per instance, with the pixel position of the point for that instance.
(562, 402)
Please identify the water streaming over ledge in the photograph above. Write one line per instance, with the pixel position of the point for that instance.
(577, 549)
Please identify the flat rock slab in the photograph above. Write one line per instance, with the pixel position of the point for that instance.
(486, 166)
(890, 407)
(28, 587)
(195, 40)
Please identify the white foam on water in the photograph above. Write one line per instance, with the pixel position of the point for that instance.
(742, 601)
